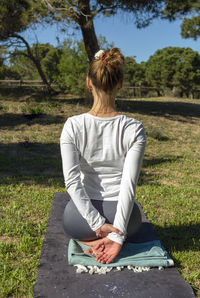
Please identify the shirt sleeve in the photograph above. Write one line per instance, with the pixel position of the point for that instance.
(72, 178)
(131, 170)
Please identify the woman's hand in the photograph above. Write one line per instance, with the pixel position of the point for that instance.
(104, 230)
(106, 250)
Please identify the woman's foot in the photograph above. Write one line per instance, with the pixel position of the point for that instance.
(105, 250)
(109, 252)
(91, 242)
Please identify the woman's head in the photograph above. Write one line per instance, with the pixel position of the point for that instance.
(106, 69)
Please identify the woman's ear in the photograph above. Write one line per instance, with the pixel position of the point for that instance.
(88, 82)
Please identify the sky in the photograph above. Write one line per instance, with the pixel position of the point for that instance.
(141, 43)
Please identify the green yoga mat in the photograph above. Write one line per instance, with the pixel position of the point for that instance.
(148, 254)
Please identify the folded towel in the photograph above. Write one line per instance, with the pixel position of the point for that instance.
(147, 254)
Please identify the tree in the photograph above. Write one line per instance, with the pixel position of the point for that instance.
(48, 56)
(73, 65)
(81, 14)
(174, 67)
(134, 73)
(2, 65)
(16, 16)
(190, 27)
(51, 61)
(23, 66)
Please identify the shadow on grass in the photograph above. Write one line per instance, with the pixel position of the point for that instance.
(155, 161)
(180, 237)
(35, 162)
(41, 161)
(24, 94)
(153, 108)
(166, 109)
(11, 119)
(156, 108)
(15, 92)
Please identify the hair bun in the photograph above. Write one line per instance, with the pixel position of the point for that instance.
(114, 58)
(106, 69)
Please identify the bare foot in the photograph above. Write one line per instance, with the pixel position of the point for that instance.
(94, 243)
(91, 242)
(105, 250)
(109, 252)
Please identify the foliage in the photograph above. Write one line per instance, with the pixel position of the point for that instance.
(174, 67)
(190, 27)
(23, 66)
(82, 13)
(142, 11)
(50, 62)
(17, 15)
(15, 18)
(72, 67)
(134, 73)
(48, 56)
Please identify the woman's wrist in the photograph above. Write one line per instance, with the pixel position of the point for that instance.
(98, 232)
(116, 238)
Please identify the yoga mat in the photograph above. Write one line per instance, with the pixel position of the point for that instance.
(56, 278)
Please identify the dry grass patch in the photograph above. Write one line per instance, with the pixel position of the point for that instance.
(7, 239)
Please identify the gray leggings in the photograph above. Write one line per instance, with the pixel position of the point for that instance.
(77, 227)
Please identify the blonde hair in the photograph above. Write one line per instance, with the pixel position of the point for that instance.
(106, 71)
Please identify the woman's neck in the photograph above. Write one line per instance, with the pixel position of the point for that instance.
(104, 104)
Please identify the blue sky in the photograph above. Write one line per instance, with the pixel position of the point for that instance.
(141, 43)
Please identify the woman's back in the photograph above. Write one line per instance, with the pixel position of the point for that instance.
(102, 144)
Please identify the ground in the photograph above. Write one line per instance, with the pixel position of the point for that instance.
(31, 172)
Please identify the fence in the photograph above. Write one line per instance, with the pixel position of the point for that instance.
(140, 91)
(125, 92)
(23, 83)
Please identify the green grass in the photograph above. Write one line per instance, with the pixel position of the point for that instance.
(31, 172)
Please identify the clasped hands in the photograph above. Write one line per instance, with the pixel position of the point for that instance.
(105, 249)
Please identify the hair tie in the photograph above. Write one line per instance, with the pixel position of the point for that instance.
(103, 56)
(99, 54)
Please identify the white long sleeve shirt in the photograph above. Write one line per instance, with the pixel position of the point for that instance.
(101, 159)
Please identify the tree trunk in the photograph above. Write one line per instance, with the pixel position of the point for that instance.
(158, 92)
(36, 62)
(42, 74)
(87, 28)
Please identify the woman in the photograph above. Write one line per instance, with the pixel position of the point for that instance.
(102, 152)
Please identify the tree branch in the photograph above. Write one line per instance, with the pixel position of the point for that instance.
(72, 13)
(15, 35)
(19, 54)
(104, 9)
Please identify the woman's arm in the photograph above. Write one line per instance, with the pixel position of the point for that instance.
(131, 170)
(75, 188)
(72, 178)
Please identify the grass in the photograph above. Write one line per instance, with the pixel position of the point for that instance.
(31, 172)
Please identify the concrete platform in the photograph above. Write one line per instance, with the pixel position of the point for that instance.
(57, 279)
